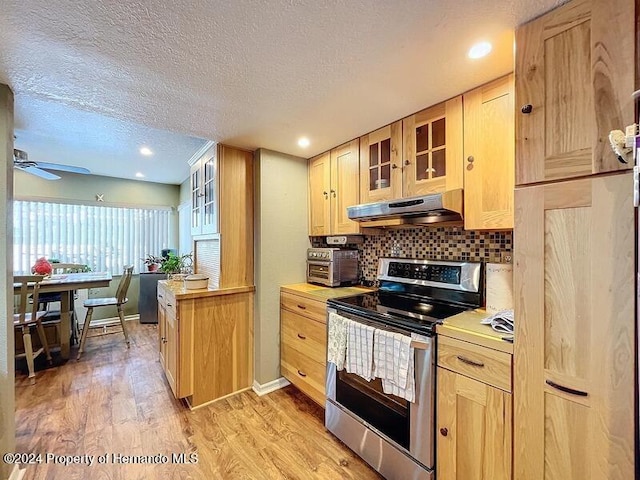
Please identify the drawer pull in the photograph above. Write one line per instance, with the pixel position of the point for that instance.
(301, 373)
(302, 307)
(470, 362)
(566, 389)
(301, 337)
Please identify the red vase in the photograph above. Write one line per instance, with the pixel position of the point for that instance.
(152, 267)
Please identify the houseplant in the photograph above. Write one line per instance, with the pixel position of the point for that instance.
(176, 265)
(152, 262)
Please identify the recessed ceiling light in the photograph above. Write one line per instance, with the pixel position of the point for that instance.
(140, 175)
(480, 50)
(146, 151)
(304, 142)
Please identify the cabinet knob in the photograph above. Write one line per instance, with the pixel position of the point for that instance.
(334, 193)
(528, 108)
(393, 165)
(444, 432)
(326, 195)
(164, 340)
(407, 162)
(470, 159)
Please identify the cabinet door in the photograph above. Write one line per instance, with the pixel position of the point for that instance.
(209, 194)
(171, 353)
(196, 199)
(380, 167)
(432, 149)
(574, 80)
(574, 309)
(345, 186)
(474, 429)
(162, 332)
(319, 186)
(489, 156)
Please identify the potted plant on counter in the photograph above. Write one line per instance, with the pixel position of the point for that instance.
(152, 262)
(175, 266)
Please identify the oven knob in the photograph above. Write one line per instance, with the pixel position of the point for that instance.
(325, 255)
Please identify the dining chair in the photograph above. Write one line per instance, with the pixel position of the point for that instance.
(28, 316)
(118, 301)
(52, 317)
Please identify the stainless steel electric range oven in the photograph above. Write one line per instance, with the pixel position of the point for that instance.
(394, 436)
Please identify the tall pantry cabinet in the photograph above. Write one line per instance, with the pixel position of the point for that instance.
(574, 245)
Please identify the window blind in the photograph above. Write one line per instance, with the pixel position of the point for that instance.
(104, 238)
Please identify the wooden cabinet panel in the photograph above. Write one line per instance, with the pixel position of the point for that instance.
(345, 186)
(305, 373)
(306, 336)
(473, 429)
(574, 351)
(433, 149)
(380, 164)
(489, 150)
(573, 85)
(319, 186)
(313, 309)
(171, 353)
(481, 363)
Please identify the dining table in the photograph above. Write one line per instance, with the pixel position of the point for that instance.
(66, 284)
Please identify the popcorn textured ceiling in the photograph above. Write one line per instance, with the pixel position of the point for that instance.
(256, 73)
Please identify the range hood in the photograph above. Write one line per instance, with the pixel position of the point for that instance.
(422, 210)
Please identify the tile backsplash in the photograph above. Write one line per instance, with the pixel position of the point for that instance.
(440, 243)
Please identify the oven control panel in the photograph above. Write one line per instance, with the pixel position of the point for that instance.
(434, 273)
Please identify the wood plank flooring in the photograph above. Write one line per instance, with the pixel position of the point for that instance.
(116, 401)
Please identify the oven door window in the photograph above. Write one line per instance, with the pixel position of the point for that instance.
(318, 270)
(386, 413)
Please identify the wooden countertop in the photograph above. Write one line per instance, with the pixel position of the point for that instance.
(181, 293)
(320, 293)
(466, 326)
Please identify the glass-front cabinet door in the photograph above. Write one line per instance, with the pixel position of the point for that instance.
(204, 194)
(196, 208)
(380, 167)
(433, 149)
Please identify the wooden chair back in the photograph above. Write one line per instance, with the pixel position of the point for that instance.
(123, 286)
(28, 292)
(68, 267)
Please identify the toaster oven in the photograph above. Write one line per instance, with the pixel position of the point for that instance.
(332, 267)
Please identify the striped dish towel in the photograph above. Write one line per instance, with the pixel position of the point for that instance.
(360, 349)
(391, 354)
(337, 339)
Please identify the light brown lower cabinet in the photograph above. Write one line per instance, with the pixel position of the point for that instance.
(303, 344)
(206, 341)
(474, 417)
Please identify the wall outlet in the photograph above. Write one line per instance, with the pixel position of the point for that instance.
(506, 257)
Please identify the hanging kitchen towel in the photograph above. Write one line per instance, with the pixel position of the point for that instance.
(501, 321)
(337, 340)
(391, 353)
(360, 349)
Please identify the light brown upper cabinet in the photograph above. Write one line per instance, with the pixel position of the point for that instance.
(381, 164)
(489, 156)
(574, 80)
(334, 185)
(432, 149)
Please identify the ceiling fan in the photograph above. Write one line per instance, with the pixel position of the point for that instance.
(22, 162)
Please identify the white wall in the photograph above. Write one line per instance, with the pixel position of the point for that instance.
(7, 374)
(281, 241)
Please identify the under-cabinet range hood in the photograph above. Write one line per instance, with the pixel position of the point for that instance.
(422, 210)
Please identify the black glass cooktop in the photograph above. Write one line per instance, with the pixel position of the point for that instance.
(417, 314)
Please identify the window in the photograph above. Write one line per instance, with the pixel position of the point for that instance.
(104, 238)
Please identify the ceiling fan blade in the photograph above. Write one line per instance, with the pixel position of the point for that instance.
(63, 168)
(39, 173)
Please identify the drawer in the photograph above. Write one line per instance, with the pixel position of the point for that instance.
(481, 363)
(305, 373)
(307, 336)
(309, 308)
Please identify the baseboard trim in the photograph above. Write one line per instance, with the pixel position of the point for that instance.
(269, 387)
(17, 473)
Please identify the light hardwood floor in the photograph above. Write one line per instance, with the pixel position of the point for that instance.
(117, 401)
